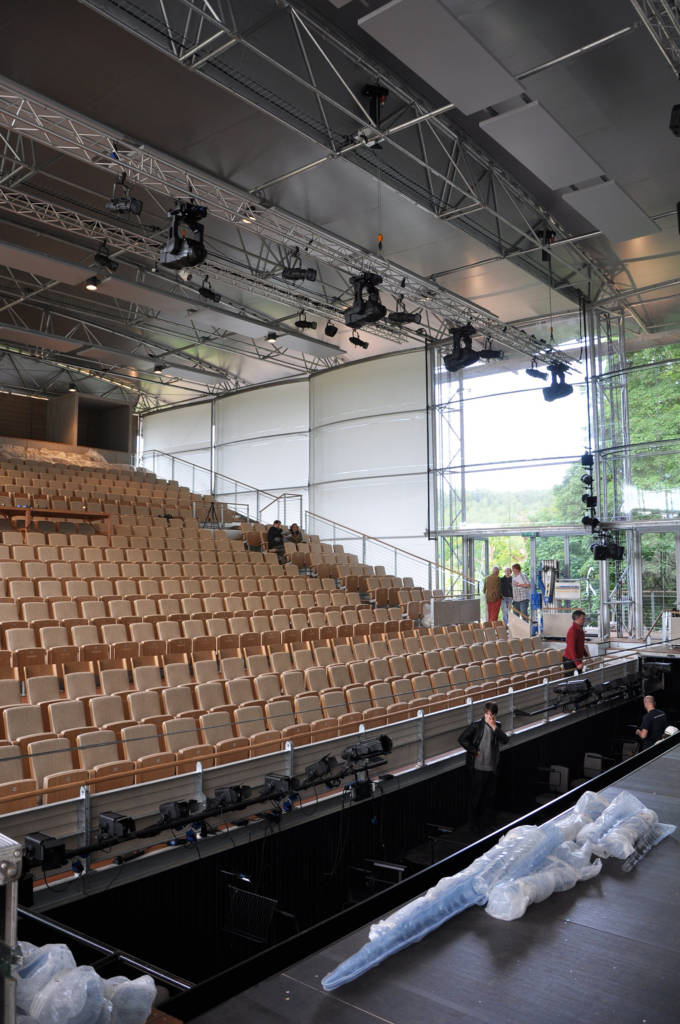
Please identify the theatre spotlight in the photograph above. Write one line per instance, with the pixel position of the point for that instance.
(330, 330)
(589, 500)
(298, 274)
(184, 247)
(558, 388)
(369, 748)
(303, 324)
(103, 259)
(533, 371)
(590, 522)
(159, 367)
(491, 353)
(587, 459)
(206, 292)
(356, 340)
(587, 480)
(400, 316)
(367, 307)
(271, 337)
(122, 200)
(462, 353)
(92, 283)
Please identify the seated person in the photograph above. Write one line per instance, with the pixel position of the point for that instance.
(275, 536)
(295, 534)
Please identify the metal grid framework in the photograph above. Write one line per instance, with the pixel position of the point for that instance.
(41, 120)
(306, 73)
(661, 18)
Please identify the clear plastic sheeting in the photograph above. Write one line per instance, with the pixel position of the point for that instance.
(50, 989)
(526, 866)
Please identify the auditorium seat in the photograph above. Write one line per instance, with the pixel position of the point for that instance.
(182, 738)
(98, 754)
(141, 745)
(68, 718)
(51, 764)
(17, 793)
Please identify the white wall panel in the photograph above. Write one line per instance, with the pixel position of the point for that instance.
(274, 463)
(371, 388)
(370, 447)
(178, 429)
(282, 409)
(382, 507)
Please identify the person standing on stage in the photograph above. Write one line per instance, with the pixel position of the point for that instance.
(482, 741)
(493, 594)
(574, 652)
(653, 724)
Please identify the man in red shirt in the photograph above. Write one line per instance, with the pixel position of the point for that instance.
(574, 652)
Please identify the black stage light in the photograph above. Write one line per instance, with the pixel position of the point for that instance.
(356, 340)
(122, 200)
(615, 551)
(578, 688)
(175, 809)
(330, 330)
(298, 274)
(491, 353)
(206, 292)
(600, 551)
(369, 748)
(103, 259)
(45, 850)
(304, 324)
(367, 307)
(233, 795)
(326, 768)
(401, 317)
(159, 367)
(587, 479)
(589, 500)
(558, 387)
(92, 283)
(590, 522)
(538, 374)
(115, 825)
(462, 353)
(184, 247)
(271, 337)
(587, 459)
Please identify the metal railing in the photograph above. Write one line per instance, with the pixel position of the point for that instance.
(247, 500)
(396, 561)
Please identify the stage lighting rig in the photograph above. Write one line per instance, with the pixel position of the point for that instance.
(590, 522)
(330, 330)
(367, 307)
(400, 316)
(298, 274)
(122, 200)
(462, 354)
(487, 352)
(103, 259)
(533, 371)
(587, 460)
(357, 342)
(303, 324)
(184, 247)
(587, 480)
(605, 548)
(206, 292)
(589, 500)
(558, 387)
(92, 283)
(368, 749)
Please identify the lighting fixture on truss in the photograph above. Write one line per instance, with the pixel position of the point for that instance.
(303, 324)
(367, 307)
(206, 292)
(462, 354)
(184, 247)
(558, 387)
(122, 200)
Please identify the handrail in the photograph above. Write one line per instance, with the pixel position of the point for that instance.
(204, 469)
(394, 547)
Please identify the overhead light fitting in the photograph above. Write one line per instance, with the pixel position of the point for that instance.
(298, 274)
(558, 388)
(400, 316)
(587, 480)
(534, 372)
(206, 292)
(303, 324)
(367, 307)
(356, 340)
(462, 354)
(330, 330)
(92, 283)
(184, 247)
(272, 336)
(159, 367)
(103, 259)
(248, 215)
(122, 200)
(72, 387)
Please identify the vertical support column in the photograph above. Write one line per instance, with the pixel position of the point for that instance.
(634, 557)
(212, 448)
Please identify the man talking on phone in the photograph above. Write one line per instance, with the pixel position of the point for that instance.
(482, 741)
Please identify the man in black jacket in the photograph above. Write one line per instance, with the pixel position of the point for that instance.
(482, 741)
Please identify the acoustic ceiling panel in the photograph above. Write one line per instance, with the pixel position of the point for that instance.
(429, 40)
(612, 211)
(542, 145)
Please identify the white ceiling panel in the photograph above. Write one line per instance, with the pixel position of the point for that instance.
(609, 208)
(542, 145)
(429, 40)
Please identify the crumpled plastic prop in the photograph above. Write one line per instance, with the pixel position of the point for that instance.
(526, 866)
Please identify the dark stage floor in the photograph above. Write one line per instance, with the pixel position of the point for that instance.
(608, 950)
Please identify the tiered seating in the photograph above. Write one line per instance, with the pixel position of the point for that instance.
(173, 644)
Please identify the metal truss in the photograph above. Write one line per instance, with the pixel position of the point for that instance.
(661, 18)
(45, 122)
(305, 72)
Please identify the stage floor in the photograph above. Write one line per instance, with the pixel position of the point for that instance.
(608, 950)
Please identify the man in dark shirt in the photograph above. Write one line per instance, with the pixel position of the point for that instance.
(574, 652)
(275, 540)
(482, 741)
(506, 594)
(653, 724)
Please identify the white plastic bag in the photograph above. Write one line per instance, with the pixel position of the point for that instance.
(72, 997)
(131, 1001)
(39, 965)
